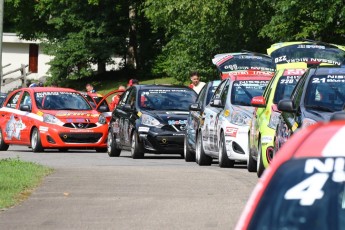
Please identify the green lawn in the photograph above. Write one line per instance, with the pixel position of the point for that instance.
(18, 179)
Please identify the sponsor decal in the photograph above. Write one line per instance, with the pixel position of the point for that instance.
(226, 113)
(14, 127)
(177, 122)
(40, 113)
(144, 129)
(231, 131)
(68, 114)
(139, 114)
(43, 128)
(294, 127)
(266, 139)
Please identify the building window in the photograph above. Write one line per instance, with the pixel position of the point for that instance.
(33, 58)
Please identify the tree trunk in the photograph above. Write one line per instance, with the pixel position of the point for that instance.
(132, 45)
(101, 67)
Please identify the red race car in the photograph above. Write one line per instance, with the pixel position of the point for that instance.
(304, 187)
(50, 117)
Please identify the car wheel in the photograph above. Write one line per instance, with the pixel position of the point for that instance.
(201, 157)
(260, 167)
(36, 144)
(3, 146)
(251, 163)
(188, 155)
(223, 159)
(112, 149)
(136, 148)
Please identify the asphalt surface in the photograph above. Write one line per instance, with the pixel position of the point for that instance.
(90, 190)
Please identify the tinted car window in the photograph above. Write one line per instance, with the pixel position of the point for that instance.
(166, 98)
(26, 99)
(326, 91)
(61, 101)
(12, 102)
(210, 93)
(285, 86)
(243, 91)
(313, 198)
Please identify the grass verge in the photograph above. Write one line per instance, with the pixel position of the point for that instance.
(18, 179)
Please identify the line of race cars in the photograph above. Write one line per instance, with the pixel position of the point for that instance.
(245, 117)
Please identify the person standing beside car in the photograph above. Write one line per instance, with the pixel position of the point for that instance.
(89, 88)
(196, 84)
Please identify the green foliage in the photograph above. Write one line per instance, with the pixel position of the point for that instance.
(319, 20)
(17, 179)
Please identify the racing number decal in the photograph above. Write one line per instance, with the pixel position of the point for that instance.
(310, 189)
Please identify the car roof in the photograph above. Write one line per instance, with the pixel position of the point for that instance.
(48, 89)
(221, 58)
(162, 87)
(250, 78)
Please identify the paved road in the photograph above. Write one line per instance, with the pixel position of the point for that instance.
(90, 190)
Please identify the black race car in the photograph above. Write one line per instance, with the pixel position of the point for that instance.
(150, 119)
(195, 113)
(318, 94)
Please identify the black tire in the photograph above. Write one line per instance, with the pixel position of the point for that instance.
(260, 167)
(188, 155)
(112, 149)
(3, 145)
(136, 148)
(36, 144)
(251, 163)
(223, 159)
(101, 150)
(201, 157)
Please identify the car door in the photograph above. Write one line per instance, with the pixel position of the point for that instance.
(210, 116)
(125, 121)
(10, 120)
(118, 118)
(24, 115)
(196, 116)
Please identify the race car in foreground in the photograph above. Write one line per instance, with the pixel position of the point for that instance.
(223, 133)
(51, 117)
(304, 187)
(196, 111)
(150, 119)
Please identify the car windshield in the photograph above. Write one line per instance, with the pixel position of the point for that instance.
(58, 100)
(326, 93)
(244, 90)
(304, 194)
(166, 99)
(247, 62)
(308, 53)
(285, 86)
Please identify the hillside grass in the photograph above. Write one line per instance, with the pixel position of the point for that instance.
(18, 179)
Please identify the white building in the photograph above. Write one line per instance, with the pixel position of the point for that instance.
(17, 52)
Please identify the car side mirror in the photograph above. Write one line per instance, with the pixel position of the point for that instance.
(258, 101)
(127, 108)
(103, 109)
(286, 105)
(25, 108)
(216, 103)
(195, 107)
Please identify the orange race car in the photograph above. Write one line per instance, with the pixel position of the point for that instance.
(50, 117)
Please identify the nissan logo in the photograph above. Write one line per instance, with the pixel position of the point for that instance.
(164, 141)
(183, 127)
(80, 125)
(65, 136)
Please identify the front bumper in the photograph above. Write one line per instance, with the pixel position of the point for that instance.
(236, 142)
(155, 140)
(61, 137)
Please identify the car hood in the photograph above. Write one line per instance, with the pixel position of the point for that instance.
(67, 115)
(248, 110)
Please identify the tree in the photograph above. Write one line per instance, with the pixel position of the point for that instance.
(197, 30)
(294, 20)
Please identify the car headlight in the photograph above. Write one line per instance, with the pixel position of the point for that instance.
(274, 119)
(101, 119)
(149, 120)
(51, 119)
(240, 118)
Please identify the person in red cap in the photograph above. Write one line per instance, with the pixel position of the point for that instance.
(132, 82)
